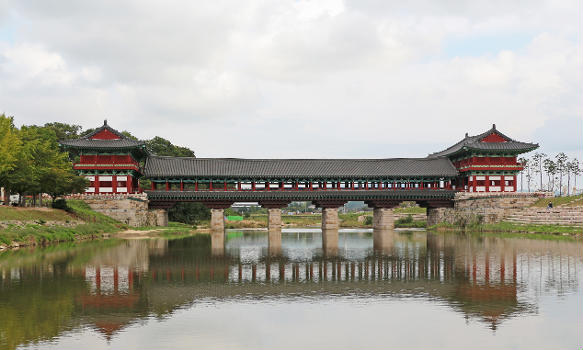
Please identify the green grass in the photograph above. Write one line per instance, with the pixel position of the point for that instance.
(30, 214)
(570, 201)
(508, 227)
(94, 224)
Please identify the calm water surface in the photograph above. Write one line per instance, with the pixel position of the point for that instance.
(374, 291)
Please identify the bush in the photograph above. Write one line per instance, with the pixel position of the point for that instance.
(368, 220)
(60, 204)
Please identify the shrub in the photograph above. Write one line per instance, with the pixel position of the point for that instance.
(60, 204)
(368, 220)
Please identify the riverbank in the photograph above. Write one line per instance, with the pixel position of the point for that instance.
(40, 226)
(513, 228)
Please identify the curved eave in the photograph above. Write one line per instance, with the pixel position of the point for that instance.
(466, 149)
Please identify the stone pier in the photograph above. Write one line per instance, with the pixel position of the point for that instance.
(274, 213)
(383, 219)
(274, 219)
(330, 219)
(217, 220)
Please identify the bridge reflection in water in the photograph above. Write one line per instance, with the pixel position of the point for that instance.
(114, 284)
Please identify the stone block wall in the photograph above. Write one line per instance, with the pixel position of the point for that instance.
(130, 209)
(483, 207)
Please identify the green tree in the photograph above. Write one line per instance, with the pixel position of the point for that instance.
(64, 131)
(163, 147)
(189, 213)
(57, 182)
(10, 147)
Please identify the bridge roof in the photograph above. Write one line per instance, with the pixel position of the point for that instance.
(158, 166)
(477, 143)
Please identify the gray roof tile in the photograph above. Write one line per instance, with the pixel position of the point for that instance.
(158, 166)
(86, 142)
(474, 143)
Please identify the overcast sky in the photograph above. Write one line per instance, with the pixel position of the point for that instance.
(355, 78)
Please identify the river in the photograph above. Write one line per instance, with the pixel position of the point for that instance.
(399, 290)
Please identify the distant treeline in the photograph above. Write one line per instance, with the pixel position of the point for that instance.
(555, 174)
(33, 163)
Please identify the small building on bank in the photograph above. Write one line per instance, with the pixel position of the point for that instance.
(109, 160)
(486, 162)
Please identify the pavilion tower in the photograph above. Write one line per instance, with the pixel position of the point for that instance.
(486, 162)
(109, 160)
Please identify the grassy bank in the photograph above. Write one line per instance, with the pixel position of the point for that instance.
(568, 201)
(39, 226)
(508, 227)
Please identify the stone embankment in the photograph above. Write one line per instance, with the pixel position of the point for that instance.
(130, 209)
(496, 207)
(567, 216)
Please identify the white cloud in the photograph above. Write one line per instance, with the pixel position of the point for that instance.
(293, 79)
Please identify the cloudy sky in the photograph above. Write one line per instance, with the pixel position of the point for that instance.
(354, 78)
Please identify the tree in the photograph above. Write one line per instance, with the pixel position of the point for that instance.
(561, 164)
(550, 169)
(64, 131)
(537, 163)
(10, 147)
(525, 165)
(575, 170)
(57, 182)
(163, 147)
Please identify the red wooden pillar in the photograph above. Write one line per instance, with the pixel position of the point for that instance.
(129, 184)
(366, 185)
(210, 185)
(239, 186)
(394, 185)
(281, 186)
(267, 185)
(96, 182)
(514, 183)
(311, 186)
(297, 185)
(487, 182)
(325, 185)
(421, 184)
(196, 185)
(181, 186)
(225, 185)
(113, 184)
(167, 186)
(153, 185)
(352, 184)
(252, 185)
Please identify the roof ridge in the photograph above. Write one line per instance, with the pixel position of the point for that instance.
(104, 127)
(295, 159)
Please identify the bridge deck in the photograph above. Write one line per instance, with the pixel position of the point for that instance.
(331, 195)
